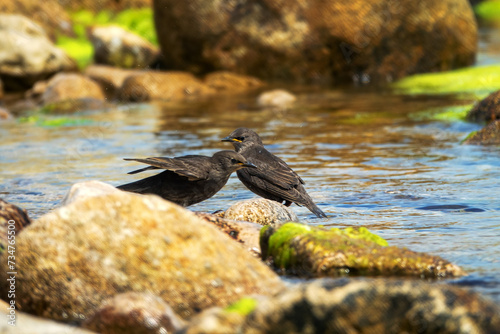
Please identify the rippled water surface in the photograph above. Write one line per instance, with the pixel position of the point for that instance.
(369, 158)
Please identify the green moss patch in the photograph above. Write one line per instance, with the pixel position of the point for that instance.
(244, 306)
(472, 80)
(138, 21)
(488, 10)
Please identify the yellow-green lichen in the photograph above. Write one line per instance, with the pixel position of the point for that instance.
(244, 306)
(480, 81)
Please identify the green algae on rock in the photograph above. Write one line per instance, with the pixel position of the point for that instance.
(312, 251)
(480, 80)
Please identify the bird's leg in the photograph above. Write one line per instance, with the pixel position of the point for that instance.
(287, 203)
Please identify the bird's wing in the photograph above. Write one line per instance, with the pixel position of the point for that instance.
(272, 169)
(190, 166)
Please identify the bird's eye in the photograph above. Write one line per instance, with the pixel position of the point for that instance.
(240, 138)
(234, 161)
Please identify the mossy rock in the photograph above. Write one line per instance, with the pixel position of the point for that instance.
(471, 80)
(312, 251)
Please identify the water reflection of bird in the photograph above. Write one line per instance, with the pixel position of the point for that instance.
(272, 179)
(189, 179)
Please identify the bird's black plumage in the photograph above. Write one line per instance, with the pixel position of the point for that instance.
(189, 179)
(272, 179)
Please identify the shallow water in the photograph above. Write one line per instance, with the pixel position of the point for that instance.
(369, 158)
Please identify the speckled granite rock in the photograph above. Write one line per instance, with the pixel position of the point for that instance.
(84, 190)
(81, 254)
(134, 313)
(261, 211)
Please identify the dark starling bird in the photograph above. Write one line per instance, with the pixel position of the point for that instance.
(272, 179)
(189, 179)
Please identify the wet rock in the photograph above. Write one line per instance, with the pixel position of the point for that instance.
(50, 15)
(134, 313)
(333, 252)
(1, 89)
(486, 110)
(71, 86)
(83, 253)
(261, 211)
(278, 98)
(246, 233)
(162, 86)
(74, 105)
(317, 41)
(26, 323)
(26, 53)
(231, 82)
(118, 47)
(12, 218)
(5, 114)
(373, 306)
(84, 190)
(489, 135)
(215, 320)
(110, 78)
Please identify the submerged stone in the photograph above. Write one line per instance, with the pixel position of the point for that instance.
(312, 251)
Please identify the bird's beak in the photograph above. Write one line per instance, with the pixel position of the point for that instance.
(247, 164)
(231, 139)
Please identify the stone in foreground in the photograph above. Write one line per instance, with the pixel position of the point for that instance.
(312, 251)
(81, 254)
(134, 313)
(489, 135)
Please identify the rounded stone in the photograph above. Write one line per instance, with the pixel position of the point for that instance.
(261, 211)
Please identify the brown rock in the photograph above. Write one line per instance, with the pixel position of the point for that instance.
(489, 135)
(134, 313)
(486, 110)
(162, 86)
(83, 253)
(5, 114)
(246, 233)
(26, 53)
(110, 78)
(12, 218)
(48, 14)
(231, 82)
(71, 86)
(25, 323)
(1, 89)
(261, 211)
(373, 306)
(118, 47)
(317, 40)
(99, 5)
